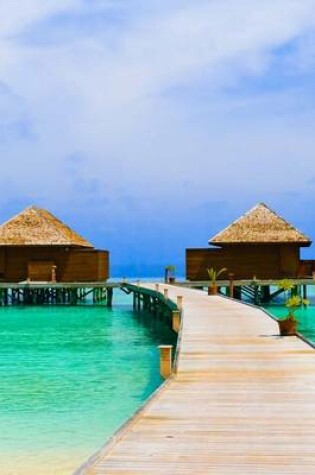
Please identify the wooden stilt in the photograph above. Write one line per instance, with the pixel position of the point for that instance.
(231, 286)
(237, 293)
(110, 294)
(266, 293)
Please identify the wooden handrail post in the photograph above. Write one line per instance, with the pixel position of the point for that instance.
(176, 319)
(179, 302)
(231, 285)
(165, 360)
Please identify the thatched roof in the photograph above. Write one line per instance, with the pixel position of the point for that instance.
(37, 227)
(260, 225)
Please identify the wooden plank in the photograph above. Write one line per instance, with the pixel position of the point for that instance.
(242, 401)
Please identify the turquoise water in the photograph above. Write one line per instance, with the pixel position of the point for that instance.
(305, 315)
(69, 377)
(306, 319)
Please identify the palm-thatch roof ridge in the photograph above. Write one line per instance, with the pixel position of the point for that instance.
(260, 225)
(37, 227)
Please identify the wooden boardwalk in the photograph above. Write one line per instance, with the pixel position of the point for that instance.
(242, 402)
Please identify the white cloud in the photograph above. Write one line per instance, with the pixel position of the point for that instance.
(114, 96)
(17, 15)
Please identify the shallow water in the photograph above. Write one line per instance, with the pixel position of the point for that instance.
(305, 315)
(69, 377)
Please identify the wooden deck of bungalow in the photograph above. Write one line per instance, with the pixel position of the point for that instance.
(242, 400)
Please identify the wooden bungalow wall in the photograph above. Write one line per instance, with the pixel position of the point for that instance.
(262, 261)
(73, 264)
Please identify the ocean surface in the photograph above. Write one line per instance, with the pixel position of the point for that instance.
(69, 377)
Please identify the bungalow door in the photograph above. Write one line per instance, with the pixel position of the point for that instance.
(40, 271)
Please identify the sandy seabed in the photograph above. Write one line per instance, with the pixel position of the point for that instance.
(46, 463)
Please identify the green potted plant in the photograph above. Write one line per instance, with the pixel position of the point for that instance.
(170, 274)
(288, 324)
(213, 276)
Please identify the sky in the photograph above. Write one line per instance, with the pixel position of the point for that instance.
(148, 126)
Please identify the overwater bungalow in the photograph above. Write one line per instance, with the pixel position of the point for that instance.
(36, 246)
(260, 243)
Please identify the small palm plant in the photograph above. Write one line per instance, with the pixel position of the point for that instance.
(288, 324)
(213, 276)
(285, 284)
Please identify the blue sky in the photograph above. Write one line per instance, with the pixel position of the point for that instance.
(148, 126)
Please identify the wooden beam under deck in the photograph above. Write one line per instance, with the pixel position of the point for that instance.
(59, 285)
(71, 293)
(242, 401)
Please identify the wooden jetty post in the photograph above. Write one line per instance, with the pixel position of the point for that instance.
(265, 293)
(138, 301)
(147, 305)
(179, 303)
(109, 300)
(231, 285)
(165, 360)
(237, 292)
(176, 320)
